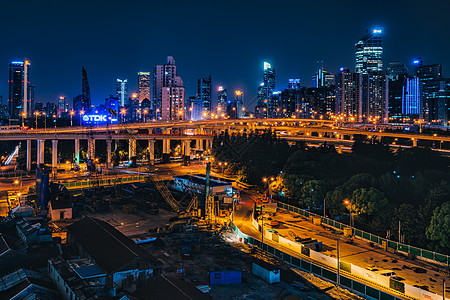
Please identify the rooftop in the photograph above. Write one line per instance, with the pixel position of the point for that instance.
(109, 248)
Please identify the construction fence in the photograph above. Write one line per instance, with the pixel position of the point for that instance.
(419, 253)
(88, 183)
(351, 276)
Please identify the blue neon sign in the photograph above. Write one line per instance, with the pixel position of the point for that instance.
(97, 119)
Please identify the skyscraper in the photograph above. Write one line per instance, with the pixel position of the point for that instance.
(429, 77)
(19, 91)
(143, 86)
(122, 91)
(168, 92)
(222, 96)
(375, 97)
(411, 98)
(61, 106)
(369, 52)
(265, 91)
(235, 109)
(349, 95)
(204, 95)
(322, 79)
(398, 75)
(85, 91)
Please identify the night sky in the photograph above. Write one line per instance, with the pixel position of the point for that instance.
(227, 39)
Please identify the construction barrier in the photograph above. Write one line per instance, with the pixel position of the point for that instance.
(325, 267)
(419, 253)
(88, 183)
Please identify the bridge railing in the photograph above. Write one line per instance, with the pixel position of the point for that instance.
(102, 182)
(439, 258)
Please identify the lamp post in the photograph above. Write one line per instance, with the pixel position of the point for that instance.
(145, 112)
(45, 121)
(23, 115)
(81, 116)
(36, 113)
(71, 116)
(54, 121)
(262, 226)
(349, 202)
(338, 263)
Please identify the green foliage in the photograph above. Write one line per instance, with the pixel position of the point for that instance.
(439, 230)
(368, 201)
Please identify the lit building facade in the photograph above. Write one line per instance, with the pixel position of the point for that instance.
(375, 97)
(369, 52)
(168, 92)
(204, 92)
(19, 101)
(265, 99)
(349, 95)
(398, 76)
(143, 86)
(122, 90)
(411, 98)
(235, 109)
(222, 98)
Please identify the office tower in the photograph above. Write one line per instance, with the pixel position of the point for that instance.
(194, 109)
(265, 100)
(375, 97)
(143, 86)
(294, 84)
(411, 98)
(369, 52)
(222, 96)
(19, 91)
(322, 79)
(51, 109)
(61, 106)
(168, 92)
(80, 104)
(122, 90)
(429, 77)
(39, 106)
(398, 75)
(85, 91)
(349, 95)
(204, 92)
(235, 108)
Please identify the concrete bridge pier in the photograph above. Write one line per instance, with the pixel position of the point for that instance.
(108, 154)
(131, 148)
(28, 155)
(40, 152)
(166, 151)
(91, 148)
(415, 140)
(199, 144)
(77, 152)
(151, 152)
(187, 152)
(54, 156)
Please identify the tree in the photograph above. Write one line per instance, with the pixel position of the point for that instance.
(368, 201)
(439, 230)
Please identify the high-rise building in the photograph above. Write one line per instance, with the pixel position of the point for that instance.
(235, 108)
(375, 97)
(429, 77)
(369, 52)
(61, 106)
(80, 104)
(204, 92)
(222, 98)
(410, 98)
(122, 90)
(398, 76)
(85, 91)
(349, 95)
(294, 84)
(51, 109)
(168, 92)
(322, 79)
(19, 91)
(265, 99)
(143, 86)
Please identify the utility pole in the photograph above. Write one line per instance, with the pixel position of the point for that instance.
(399, 232)
(443, 289)
(338, 264)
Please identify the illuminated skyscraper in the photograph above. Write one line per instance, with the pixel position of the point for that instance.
(168, 92)
(204, 95)
(398, 75)
(143, 86)
(322, 79)
(19, 89)
(411, 98)
(222, 101)
(375, 97)
(235, 108)
(349, 95)
(61, 106)
(122, 91)
(265, 91)
(369, 52)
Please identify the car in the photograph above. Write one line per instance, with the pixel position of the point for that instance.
(387, 273)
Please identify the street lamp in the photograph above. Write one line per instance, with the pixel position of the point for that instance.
(338, 264)
(23, 115)
(145, 112)
(81, 116)
(45, 120)
(54, 121)
(71, 115)
(349, 203)
(36, 113)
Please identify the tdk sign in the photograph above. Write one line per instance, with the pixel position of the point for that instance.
(95, 118)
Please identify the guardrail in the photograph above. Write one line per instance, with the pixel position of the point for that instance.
(88, 183)
(418, 252)
(351, 276)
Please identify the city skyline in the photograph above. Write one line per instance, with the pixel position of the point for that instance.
(404, 39)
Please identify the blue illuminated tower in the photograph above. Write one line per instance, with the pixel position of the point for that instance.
(369, 52)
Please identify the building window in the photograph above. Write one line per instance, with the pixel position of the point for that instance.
(217, 276)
